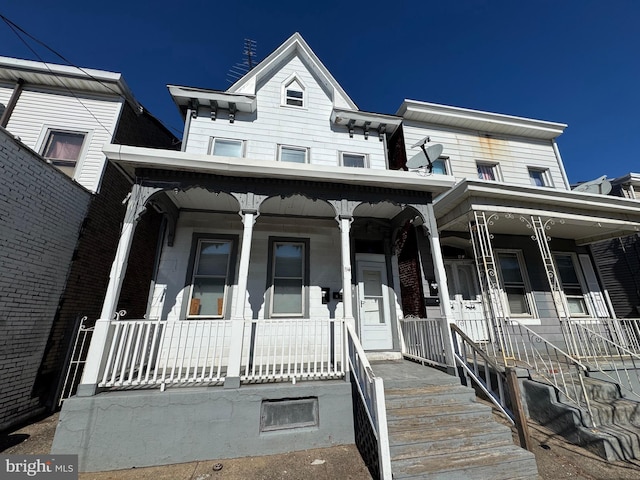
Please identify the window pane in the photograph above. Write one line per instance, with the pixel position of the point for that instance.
(295, 98)
(567, 273)
(486, 172)
(517, 301)
(214, 258)
(294, 94)
(510, 268)
(350, 160)
(439, 167)
(288, 260)
(295, 155)
(537, 178)
(208, 296)
(287, 296)
(577, 305)
(227, 148)
(64, 146)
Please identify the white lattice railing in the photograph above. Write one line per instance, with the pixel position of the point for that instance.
(293, 349)
(423, 340)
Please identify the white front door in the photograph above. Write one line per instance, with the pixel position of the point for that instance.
(373, 301)
(465, 299)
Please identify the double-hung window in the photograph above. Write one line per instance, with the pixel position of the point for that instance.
(210, 278)
(571, 284)
(515, 283)
(293, 154)
(227, 147)
(288, 278)
(488, 171)
(539, 177)
(354, 160)
(440, 166)
(63, 149)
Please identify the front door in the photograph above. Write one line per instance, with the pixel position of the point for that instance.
(465, 299)
(374, 309)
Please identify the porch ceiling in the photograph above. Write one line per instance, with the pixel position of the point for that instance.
(585, 218)
(202, 199)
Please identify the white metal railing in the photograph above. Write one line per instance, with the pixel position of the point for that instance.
(77, 360)
(423, 340)
(293, 349)
(600, 353)
(371, 390)
(622, 331)
(153, 352)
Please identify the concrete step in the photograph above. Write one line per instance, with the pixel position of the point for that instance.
(619, 411)
(406, 444)
(601, 390)
(422, 396)
(501, 463)
(438, 416)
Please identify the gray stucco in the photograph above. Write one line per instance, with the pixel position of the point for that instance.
(119, 430)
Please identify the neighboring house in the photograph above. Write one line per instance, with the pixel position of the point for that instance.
(67, 115)
(618, 260)
(295, 236)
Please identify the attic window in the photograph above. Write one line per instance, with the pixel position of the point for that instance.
(293, 93)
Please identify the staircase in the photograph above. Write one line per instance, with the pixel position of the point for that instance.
(438, 431)
(616, 435)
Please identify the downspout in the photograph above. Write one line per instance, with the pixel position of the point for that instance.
(561, 164)
(13, 100)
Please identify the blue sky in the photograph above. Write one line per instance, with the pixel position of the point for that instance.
(569, 61)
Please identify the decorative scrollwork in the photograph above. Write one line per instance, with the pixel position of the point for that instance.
(119, 314)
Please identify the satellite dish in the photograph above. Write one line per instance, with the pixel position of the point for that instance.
(420, 143)
(600, 185)
(427, 156)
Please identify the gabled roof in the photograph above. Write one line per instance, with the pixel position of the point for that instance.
(66, 77)
(478, 120)
(295, 44)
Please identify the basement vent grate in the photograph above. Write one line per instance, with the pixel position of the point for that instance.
(288, 413)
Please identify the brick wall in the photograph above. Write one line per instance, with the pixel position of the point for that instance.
(41, 213)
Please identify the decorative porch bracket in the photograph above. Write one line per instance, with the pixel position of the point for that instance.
(488, 275)
(96, 358)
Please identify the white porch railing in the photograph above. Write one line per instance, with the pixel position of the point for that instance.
(290, 349)
(371, 390)
(622, 331)
(151, 352)
(423, 340)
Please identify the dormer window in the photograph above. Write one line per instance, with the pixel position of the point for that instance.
(293, 93)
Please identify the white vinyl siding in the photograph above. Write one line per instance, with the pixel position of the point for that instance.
(273, 125)
(464, 148)
(55, 110)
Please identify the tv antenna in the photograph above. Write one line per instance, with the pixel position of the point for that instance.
(426, 157)
(240, 69)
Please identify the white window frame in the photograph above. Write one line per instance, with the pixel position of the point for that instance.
(196, 260)
(45, 138)
(365, 159)
(293, 83)
(445, 163)
(581, 283)
(495, 168)
(304, 277)
(533, 315)
(213, 140)
(293, 147)
(544, 172)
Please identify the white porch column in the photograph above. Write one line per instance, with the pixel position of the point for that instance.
(100, 339)
(232, 379)
(345, 251)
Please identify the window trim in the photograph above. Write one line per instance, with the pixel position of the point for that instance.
(300, 87)
(526, 284)
(365, 159)
(212, 142)
(45, 136)
(305, 277)
(447, 165)
(294, 147)
(577, 268)
(546, 177)
(495, 167)
(196, 240)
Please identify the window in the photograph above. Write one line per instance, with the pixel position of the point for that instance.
(63, 149)
(293, 154)
(440, 167)
(294, 97)
(539, 177)
(210, 278)
(288, 277)
(226, 147)
(293, 93)
(354, 160)
(571, 284)
(488, 171)
(514, 282)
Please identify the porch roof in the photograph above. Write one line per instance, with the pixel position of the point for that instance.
(583, 217)
(130, 158)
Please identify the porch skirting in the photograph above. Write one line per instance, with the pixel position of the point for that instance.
(118, 430)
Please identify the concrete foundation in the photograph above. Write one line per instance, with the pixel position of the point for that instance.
(118, 430)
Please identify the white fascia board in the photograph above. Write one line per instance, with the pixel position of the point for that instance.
(181, 96)
(133, 157)
(600, 205)
(341, 116)
(493, 121)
